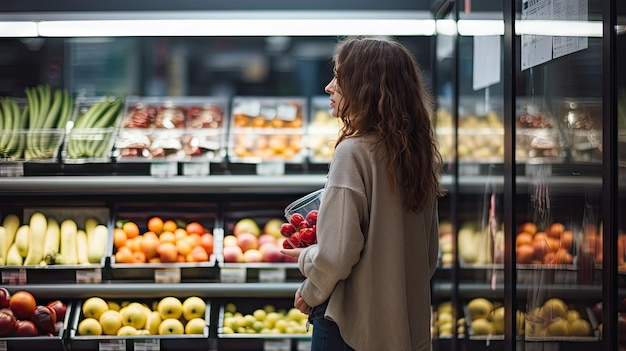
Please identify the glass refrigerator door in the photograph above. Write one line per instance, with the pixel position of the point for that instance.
(558, 184)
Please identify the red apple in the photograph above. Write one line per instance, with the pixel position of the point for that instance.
(23, 304)
(59, 307)
(307, 236)
(7, 323)
(286, 229)
(233, 254)
(311, 217)
(26, 328)
(5, 297)
(296, 220)
(44, 318)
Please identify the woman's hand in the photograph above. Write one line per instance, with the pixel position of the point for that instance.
(300, 304)
(295, 253)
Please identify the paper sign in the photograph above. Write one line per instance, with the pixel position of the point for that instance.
(89, 276)
(486, 61)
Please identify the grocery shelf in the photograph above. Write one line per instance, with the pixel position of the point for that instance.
(473, 290)
(152, 290)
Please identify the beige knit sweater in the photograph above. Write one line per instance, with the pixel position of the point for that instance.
(374, 259)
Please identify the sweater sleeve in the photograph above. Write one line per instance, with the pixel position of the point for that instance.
(340, 241)
(341, 226)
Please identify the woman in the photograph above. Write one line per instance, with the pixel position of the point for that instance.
(368, 276)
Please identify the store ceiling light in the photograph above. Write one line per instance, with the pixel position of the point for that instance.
(235, 27)
(559, 28)
(22, 29)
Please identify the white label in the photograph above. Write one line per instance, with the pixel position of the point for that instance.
(17, 276)
(3, 345)
(233, 275)
(270, 168)
(89, 275)
(286, 112)
(277, 345)
(304, 345)
(469, 169)
(268, 112)
(163, 169)
(272, 275)
(148, 345)
(196, 169)
(249, 108)
(112, 345)
(167, 275)
(11, 169)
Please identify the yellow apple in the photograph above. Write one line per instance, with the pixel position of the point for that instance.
(193, 307)
(195, 326)
(89, 326)
(152, 324)
(170, 307)
(134, 315)
(93, 307)
(111, 322)
(127, 330)
(171, 326)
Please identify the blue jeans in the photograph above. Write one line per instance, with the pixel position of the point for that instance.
(326, 336)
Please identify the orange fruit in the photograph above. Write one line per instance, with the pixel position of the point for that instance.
(180, 233)
(195, 227)
(206, 241)
(150, 235)
(194, 239)
(131, 229)
(124, 255)
(167, 237)
(119, 237)
(134, 244)
(155, 224)
(169, 226)
(139, 257)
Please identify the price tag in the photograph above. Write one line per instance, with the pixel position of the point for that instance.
(163, 169)
(249, 108)
(89, 275)
(112, 345)
(14, 276)
(469, 169)
(196, 169)
(148, 345)
(286, 112)
(272, 275)
(304, 345)
(277, 345)
(3, 345)
(233, 275)
(270, 168)
(167, 275)
(11, 169)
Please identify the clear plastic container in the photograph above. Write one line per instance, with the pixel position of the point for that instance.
(302, 217)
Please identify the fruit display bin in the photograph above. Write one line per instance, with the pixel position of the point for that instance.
(144, 341)
(267, 129)
(252, 241)
(42, 342)
(166, 242)
(57, 264)
(92, 130)
(26, 145)
(322, 131)
(575, 323)
(172, 129)
(260, 322)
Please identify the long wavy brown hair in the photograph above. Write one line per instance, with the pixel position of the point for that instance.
(383, 96)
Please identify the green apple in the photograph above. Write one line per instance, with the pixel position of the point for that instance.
(247, 225)
(171, 326)
(127, 330)
(93, 307)
(230, 307)
(89, 326)
(111, 322)
(272, 227)
(195, 326)
(259, 314)
(134, 316)
(152, 324)
(170, 307)
(193, 307)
